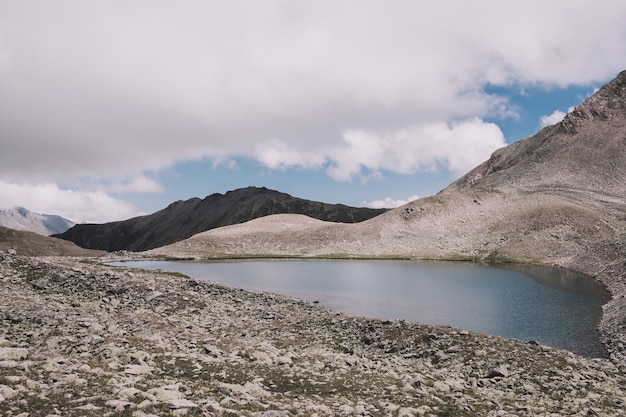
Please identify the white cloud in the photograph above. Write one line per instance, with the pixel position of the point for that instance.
(108, 90)
(388, 202)
(277, 154)
(81, 207)
(140, 184)
(553, 118)
(125, 92)
(456, 147)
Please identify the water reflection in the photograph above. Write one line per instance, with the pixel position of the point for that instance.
(559, 278)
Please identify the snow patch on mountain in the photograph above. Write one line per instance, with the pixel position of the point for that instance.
(19, 218)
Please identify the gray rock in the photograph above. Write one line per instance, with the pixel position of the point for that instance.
(184, 352)
(13, 354)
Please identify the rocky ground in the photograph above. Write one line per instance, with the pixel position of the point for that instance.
(551, 228)
(78, 338)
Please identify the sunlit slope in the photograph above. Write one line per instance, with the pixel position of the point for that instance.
(555, 197)
(473, 224)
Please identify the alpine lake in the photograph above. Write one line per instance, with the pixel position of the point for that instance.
(548, 305)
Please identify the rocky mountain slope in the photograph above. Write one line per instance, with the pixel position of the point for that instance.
(19, 218)
(24, 243)
(556, 198)
(183, 219)
(78, 338)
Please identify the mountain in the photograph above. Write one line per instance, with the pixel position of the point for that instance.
(558, 198)
(549, 198)
(24, 243)
(183, 219)
(19, 218)
(584, 153)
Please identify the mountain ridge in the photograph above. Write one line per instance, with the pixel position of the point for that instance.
(556, 198)
(183, 219)
(20, 218)
(591, 162)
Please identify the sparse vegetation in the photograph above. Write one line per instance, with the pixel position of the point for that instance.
(162, 344)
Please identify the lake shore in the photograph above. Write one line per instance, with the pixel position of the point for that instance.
(553, 306)
(82, 338)
(447, 227)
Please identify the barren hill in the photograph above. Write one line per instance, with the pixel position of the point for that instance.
(557, 197)
(183, 219)
(584, 153)
(27, 243)
(546, 198)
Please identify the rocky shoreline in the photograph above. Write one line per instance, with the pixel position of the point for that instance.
(78, 338)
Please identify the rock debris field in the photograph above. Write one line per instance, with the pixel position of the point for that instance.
(79, 338)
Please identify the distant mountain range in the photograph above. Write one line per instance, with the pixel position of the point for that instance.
(19, 218)
(184, 219)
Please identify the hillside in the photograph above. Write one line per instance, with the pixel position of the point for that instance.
(19, 218)
(183, 219)
(26, 243)
(555, 198)
(546, 199)
(584, 153)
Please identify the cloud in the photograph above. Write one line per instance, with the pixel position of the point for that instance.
(388, 202)
(106, 91)
(277, 154)
(456, 147)
(140, 184)
(81, 207)
(553, 118)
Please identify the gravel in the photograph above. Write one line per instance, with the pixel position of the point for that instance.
(79, 338)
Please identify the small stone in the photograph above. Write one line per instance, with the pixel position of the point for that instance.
(128, 393)
(441, 386)
(119, 405)
(89, 407)
(181, 403)
(13, 354)
(7, 392)
(9, 364)
(501, 371)
(261, 357)
(284, 360)
(138, 370)
(167, 393)
(144, 404)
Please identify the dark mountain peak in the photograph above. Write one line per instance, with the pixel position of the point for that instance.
(585, 151)
(251, 190)
(182, 219)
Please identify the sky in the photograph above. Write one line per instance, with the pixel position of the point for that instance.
(111, 109)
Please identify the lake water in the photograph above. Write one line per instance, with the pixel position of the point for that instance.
(552, 306)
